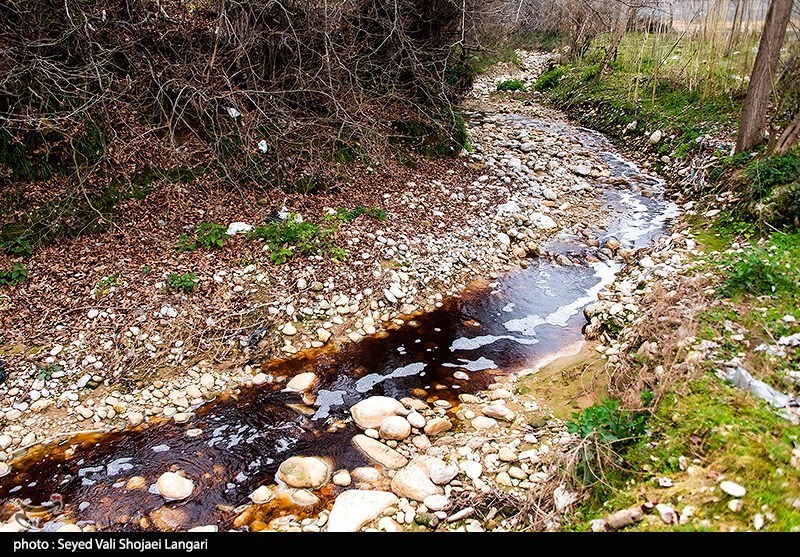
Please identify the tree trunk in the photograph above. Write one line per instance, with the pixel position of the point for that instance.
(754, 112)
(625, 16)
(788, 138)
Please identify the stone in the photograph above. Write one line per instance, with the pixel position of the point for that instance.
(437, 426)
(527, 147)
(174, 487)
(169, 519)
(499, 411)
(733, 489)
(667, 513)
(655, 137)
(412, 482)
(354, 508)
(416, 420)
(4, 469)
(472, 469)
(5, 442)
(483, 422)
(205, 528)
(506, 454)
(436, 502)
(135, 482)
(395, 427)
(379, 452)
(735, 505)
(135, 418)
(504, 239)
(370, 412)
(342, 478)
(301, 381)
(262, 495)
(207, 381)
(69, 528)
(323, 335)
(304, 471)
(182, 417)
(582, 170)
(623, 518)
(303, 498)
(388, 524)
(289, 330)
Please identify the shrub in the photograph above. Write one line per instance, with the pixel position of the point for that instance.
(549, 79)
(210, 236)
(19, 246)
(511, 85)
(608, 423)
(346, 215)
(765, 174)
(14, 276)
(288, 237)
(185, 282)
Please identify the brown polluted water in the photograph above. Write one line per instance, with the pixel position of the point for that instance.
(235, 444)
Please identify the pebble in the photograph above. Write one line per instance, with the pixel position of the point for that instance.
(733, 489)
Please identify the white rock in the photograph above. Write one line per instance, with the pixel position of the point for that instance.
(395, 427)
(301, 381)
(174, 486)
(93, 313)
(323, 334)
(207, 381)
(483, 422)
(733, 489)
(412, 482)
(342, 478)
(436, 502)
(289, 330)
(416, 420)
(355, 507)
(656, 136)
(379, 452)
(262, 495)
(370, 412)
(472, 469)
(301, 472)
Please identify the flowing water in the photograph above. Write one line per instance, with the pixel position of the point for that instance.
(235, 444)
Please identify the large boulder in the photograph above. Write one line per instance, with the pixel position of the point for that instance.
(304, 471)
(355, 507)
(370, 412)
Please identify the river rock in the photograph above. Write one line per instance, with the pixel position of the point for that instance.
(379, 452)
(304, 471)
(262, 495)
(355, 507)
(170, 519)
(289, 330)
(342, 478)
(135, 418)
(656, 136)
(416, 420)
(483, 422)
(370, 412)
(303, 498)
(437, 426)
(4, 469)
(499, 411)
(506, 454)
(413, 482)
(472, 469)
(395, 427)
(174, 486)
(207, 381)
(301, 381)
(436, 502)
(733, 489)
(69, 528)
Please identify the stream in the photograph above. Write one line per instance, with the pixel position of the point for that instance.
(234, 444)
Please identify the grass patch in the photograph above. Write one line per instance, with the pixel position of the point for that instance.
(511, 85)
(185, 282)
(209, 236)
(347, 215)
(772, 269)
(289, 237)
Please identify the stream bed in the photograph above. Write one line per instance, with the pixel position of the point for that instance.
(235, 443)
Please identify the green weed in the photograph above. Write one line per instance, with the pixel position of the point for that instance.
(14, 276)
(209, 236)
(511, 85)
(185, 282)
(19, 246)
(288, 237)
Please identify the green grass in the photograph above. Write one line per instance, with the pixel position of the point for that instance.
(511, 85)
(727, 431)
(290, 237)
(347, 215)
(185, 282)
(772, 269)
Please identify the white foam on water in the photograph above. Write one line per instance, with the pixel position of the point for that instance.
(366, 383)
(509, 307)
(480, 364)
(464, 343)
(115, 467)
(161, 448)
(527, 325)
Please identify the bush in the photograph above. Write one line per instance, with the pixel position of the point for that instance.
(765, 174)
(19, 246)
(608, 423)
(549, 79)
(288, 237)
(185, 282)
(210, 235)
(511, 85)
(14, 276)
